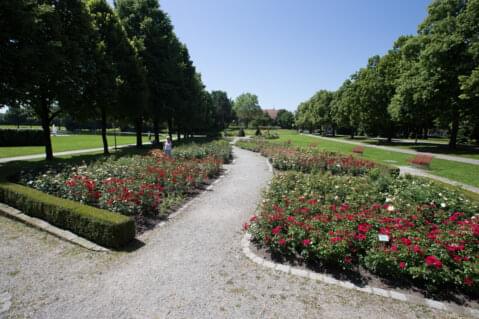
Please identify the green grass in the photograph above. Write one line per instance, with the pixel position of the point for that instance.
(67, 143)
(432, 145)
(461, 172)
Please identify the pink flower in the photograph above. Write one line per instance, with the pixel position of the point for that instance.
(417, 249)
(360, 237)
(406, 241)
(245, 226)
(394, 248)
(276, 230)
(290, 219)
(306, 242)
(433, 261)
(282, 242)
(253, 218)
(402, 265)
(334, 240)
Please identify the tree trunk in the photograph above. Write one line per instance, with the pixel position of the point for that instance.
(45, 119)
(139, 132)
(103, 132)
(352, 133)
(170, 124)
(156, 129)
(454, 130)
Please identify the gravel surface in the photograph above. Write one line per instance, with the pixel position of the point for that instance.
(193, 267)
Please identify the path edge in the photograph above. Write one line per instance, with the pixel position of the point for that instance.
(15, 214)
(387, 293)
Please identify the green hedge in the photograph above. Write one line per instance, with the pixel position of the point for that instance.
(13, 137)
(100, 226)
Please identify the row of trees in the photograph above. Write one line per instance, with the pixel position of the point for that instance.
(248, 112)
(429, 80)
(91, 61)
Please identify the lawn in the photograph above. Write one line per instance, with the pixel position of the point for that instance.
(461, 172)
(432, 145)
(67, 143)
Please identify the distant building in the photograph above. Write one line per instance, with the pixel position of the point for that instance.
(272, 113)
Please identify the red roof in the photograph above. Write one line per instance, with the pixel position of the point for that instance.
(273, 113)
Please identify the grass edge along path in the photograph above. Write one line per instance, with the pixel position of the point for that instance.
(460, 172)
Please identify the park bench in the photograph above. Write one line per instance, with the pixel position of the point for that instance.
(421, 160)
(358, 150)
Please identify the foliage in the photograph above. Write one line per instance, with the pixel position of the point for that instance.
(285, 119)
(246, 107)
(12, 137)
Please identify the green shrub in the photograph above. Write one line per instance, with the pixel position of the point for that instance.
(100, 226)
(13, 137)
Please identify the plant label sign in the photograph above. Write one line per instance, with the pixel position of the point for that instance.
(383, 237)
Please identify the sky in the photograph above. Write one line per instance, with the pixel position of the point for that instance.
(284, 50)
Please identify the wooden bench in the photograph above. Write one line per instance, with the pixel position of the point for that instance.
(421, 160)
(358, 150)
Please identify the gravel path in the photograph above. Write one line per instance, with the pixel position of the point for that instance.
(193, 267)
(402, 150)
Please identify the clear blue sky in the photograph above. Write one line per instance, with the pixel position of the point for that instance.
(285, 50)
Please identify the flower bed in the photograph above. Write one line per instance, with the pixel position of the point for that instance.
(429, 235)
(286, 157)
(135, 185)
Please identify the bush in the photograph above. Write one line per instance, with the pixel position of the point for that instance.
(241, 132)
(13, 137)
(432, 232)
(257, 132)
(102, 227)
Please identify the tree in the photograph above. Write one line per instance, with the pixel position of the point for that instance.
(246, 107)
(114, 59)
(56, 54)
(285, 119)
(223, 109)
(150, 30)
(344, 106)
(446, 57)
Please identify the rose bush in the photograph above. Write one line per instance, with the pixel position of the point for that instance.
(136, 184)
(310, 159)
(432, 233)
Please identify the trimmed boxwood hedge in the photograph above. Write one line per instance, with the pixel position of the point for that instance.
(100, 226)
(14, 137)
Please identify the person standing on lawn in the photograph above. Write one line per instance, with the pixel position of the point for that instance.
(168, 146)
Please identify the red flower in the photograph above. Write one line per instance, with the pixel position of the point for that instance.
(291, 219)
(253, 218)
(402, 265)
(276, 230)
(364, 228)
(312, 201)
(454, 247)
(417, 249)
(385, 231)
(468, 281)
(245, 226)
(433, 261)
(334, 240)
(360, 237)
(394, 248)
(475, 230)
(406, 241)
(282, 242)
(348, 260)
(306, 242)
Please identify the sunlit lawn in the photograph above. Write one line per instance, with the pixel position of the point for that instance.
(465, 173)
(67, 143)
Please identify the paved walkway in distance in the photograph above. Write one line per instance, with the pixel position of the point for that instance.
(193, 267)
(36, 156)
(419, 172)
(401, 150)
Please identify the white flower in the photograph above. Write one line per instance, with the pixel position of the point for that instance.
(390, 208)
(443, 205)
(388, 200)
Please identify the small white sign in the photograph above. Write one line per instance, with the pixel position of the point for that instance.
(383, 237)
